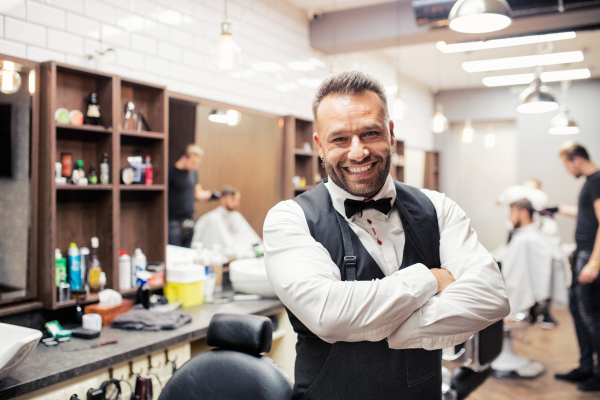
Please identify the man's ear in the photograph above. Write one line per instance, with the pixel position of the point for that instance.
(392, 136)
(319, 144)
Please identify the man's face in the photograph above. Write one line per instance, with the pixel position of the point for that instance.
(231, 202)
(355, 142)
(515, 217)
(573, 167)
(193, 162)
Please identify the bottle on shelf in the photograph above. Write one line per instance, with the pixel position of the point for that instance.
(60, 270)
(93, 111)
(125, 264)
(85, 266)
(102, 281)
(95, 268)
(74, 267)
(138, 264)
(93, 178)
(66, 160)
(104, 169)
(149, 171)
(125, 273)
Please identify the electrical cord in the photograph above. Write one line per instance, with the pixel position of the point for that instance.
(117, 384)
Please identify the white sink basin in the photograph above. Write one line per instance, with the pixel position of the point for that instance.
(249, 275)
(15, 344)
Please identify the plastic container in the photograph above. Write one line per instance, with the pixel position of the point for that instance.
(249, 276)
(185, 284)
(138, 263)
(74, 267)
(126, 275)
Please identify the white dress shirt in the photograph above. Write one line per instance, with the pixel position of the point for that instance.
(401, 307)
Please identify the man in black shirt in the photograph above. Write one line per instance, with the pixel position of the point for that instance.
(584, 296)
(184, 190)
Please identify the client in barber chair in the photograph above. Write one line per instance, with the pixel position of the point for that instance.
(226, 227)
(532, 278)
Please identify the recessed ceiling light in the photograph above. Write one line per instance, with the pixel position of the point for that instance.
(523, 62)
(524, 79)
(508, 42)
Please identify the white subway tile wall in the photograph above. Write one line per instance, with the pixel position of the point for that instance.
(171, 42)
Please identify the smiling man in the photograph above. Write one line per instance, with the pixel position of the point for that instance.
(377, 276)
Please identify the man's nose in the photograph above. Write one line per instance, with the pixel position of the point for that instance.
(357, 150)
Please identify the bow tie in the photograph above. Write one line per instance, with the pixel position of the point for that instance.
(354, 206)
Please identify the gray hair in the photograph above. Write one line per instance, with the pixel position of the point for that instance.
(349, 83)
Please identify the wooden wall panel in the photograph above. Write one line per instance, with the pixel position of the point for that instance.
(248, 156)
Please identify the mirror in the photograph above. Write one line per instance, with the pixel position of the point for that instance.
(18, 178)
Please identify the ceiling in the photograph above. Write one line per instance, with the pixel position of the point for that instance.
(425, 64)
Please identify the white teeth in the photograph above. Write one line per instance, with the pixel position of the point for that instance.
(362, 169)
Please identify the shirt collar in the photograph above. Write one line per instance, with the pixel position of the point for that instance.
(339, 195)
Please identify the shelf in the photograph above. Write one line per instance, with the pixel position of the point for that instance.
(143, 134)
(142, 187)
(301, 152)
(85, 128)
(131, 291)
(92, 298)
(86, 187)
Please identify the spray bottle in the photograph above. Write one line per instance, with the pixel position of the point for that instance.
(74, 267)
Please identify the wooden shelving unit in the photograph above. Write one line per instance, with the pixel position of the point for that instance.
(298, 138)
(431, 180)
(397, 167)
(122, 217)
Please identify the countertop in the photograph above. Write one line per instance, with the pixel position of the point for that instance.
(45, 366)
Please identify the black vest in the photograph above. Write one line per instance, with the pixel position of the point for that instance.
(368, 370)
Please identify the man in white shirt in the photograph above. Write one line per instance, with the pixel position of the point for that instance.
(227, 227)
(376, 275)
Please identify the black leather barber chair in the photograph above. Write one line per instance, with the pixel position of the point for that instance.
(236, 369)
(476, 355)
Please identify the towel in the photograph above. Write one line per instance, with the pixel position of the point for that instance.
(140, 319)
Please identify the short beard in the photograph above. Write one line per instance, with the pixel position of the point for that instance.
(370, 190)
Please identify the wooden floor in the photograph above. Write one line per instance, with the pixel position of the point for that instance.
(557, 350)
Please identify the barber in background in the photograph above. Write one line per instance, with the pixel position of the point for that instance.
(584, 296)
(184, 190)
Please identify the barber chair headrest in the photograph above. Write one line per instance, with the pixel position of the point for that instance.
(251, 334)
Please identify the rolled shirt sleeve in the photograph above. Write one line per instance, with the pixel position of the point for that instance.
(308, 282)
(474, 301)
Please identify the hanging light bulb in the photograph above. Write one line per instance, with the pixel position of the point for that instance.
(468, 132)
(479, 16)
(226, 53)
(9, 75)
(563, 123)
(537, 98)
(439, 122)
(490, 138)
(32, 81)
(399, 108)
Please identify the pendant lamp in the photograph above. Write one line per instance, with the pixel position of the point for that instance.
(563, 123)
(537, 98)
(479, 16)
(398, 108)
(226, 53)
(468, 132)
(10, 80)
(439, 122)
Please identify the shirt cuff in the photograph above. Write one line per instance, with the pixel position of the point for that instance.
(421, 282)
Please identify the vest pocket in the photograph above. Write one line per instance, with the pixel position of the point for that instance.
(319, 378)
(420, 365)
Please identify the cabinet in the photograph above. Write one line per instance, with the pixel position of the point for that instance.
(122, 217)
(301, 158)
(397, 167)
(431, 180)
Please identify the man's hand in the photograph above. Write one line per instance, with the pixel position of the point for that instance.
(587, 275)
(443, 277)
(202, 195)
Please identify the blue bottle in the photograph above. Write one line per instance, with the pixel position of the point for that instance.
(74, 258)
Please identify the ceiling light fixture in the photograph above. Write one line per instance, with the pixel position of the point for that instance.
(563, 123)
(226, 53)
(229, 117)
(498, 43)
(439, 122)
(537, 98)
(468, 132)
(9, 77)
(490, 138)
(523, 62)
(479, 16)
(524, 79)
